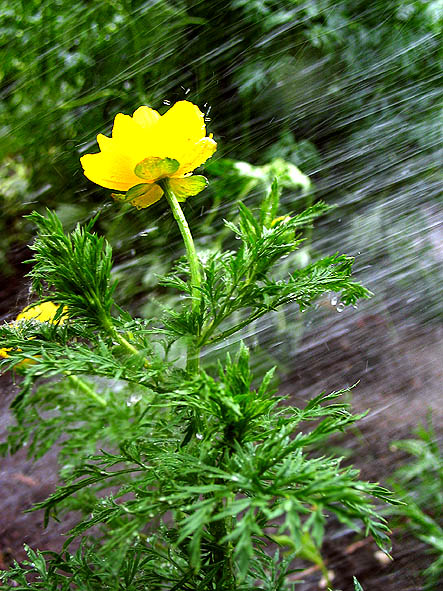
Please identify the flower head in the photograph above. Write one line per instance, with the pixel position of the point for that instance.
(149, 147)
(45, 312)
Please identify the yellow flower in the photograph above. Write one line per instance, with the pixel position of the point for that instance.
(148, 147)
(281, 219)
(4, 352)
(42, 313)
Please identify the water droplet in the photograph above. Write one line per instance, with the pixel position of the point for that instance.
(340, 307)
(334, 300)
(147, 231)
(133, 399)
(166, 102)
(199, 436)
(382, 558)
(235, 478)
(207, 119)
(187, 91)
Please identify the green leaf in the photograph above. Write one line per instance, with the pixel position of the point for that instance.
(270, 205)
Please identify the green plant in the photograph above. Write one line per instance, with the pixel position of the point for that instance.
(185, 470)
(419, 483)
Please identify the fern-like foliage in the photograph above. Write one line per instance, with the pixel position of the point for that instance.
(184, 475)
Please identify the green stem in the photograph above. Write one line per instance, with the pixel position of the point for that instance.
(230, 331)
(84, 387)
(126, 344)
(222, 554)
(194, 265)
(110, 328)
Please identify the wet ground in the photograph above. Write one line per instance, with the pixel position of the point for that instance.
(401, 380)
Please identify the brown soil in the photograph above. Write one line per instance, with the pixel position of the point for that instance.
(400, 381)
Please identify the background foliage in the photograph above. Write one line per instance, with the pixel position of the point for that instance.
(347, 92)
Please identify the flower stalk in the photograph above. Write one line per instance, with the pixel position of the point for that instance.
(150, 155)
(194, 265)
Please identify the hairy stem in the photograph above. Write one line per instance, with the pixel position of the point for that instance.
(222, 554)
(194, 265)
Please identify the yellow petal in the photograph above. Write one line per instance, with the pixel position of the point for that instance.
(281, 219)
(183, 121)
(196, 155)
(41, 312)
(177, 131)
(188, 186)
(145, 117)
(130, 135)
(4, 352)
(111, 170)
(125, 130)
(44, 312)
(104, 143)
(130, 138)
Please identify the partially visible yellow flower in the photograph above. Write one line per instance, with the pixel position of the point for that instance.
(281, 219)
(4, 352)
(42, 313)
(148, 147)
